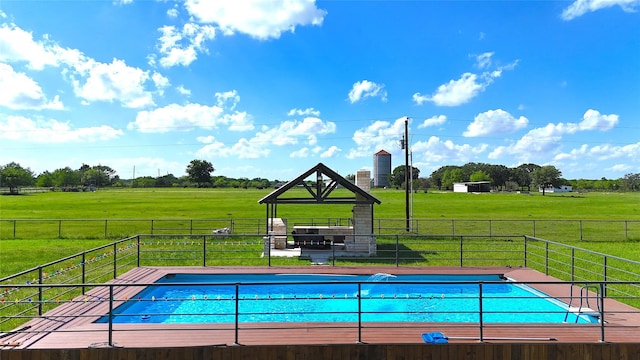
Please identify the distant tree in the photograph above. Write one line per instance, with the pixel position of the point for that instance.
(66, 177)
(480, 175)
(437, 176)
(145, 182)
(546, 176)
(452, 176)
(422, 183)
(14, 176)
(220, 181)
(522, 175)
(499, 175)
(199, 172)
(396, 178)
(44, 180)
(94, 177)
(631, 182)
(168, 180)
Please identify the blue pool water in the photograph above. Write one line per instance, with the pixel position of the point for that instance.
(180, 299)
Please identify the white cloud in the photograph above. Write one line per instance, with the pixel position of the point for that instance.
(187, 117)
(584, 153)
(455, 92)
(462, 90)
(364, 89)
(378, 135)
(112, 82)
(243, 149)
(581, 7)
(593, 120)
(483, 60)
(181, 46)
(301, 153)
(331, 152)
(545, 142)
(435, 150)
(288, 132)
(305, 112)
(261, 19)
(495, 122)
(620, 168)
(228, 97)
(52, 131)
(20, 92)
(17, 45)
(184, 91)
(206, 139)
(433, 121)
(173, 13)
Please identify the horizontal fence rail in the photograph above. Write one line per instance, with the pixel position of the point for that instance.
(557, 230)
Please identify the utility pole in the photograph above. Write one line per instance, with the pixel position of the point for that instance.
(405, 145)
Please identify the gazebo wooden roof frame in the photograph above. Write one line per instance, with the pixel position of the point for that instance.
(318, 194)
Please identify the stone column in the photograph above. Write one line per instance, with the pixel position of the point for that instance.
(363, 240)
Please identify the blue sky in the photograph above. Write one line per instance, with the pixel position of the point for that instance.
(271, 88)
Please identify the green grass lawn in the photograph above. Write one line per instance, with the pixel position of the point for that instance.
(26, 252)
(243, 203)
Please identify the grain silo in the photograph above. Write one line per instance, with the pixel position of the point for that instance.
(381, 168)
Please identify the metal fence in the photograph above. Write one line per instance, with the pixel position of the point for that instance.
(556, 230)
(98, 306)
(77, 279)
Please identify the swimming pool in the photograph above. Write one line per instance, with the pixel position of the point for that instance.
(254, 298)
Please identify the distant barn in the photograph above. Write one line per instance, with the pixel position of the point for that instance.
(472, 186)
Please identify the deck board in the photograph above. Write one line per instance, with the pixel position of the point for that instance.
(71, 325)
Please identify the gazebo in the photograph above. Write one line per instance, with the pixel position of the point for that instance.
(361, 237)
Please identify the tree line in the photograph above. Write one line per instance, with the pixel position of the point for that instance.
(87, 178)
(199, 174)
(502, 178)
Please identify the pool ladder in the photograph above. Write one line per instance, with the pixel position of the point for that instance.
(584, 307)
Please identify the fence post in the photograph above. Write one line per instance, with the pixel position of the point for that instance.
(105, 227)
(138, 238)
(546, 258)
(359, 313)
(14, 229)
(237, 313)
(191, 227)
(204, 250)
(461, 251)
(59, 229)
(604, 263)
(489, 227)
(110, 341)
(602, 290)
(534, 228)
(151, 226)
(580, 230)
(453, 227)
(626, 230)
(115, 258)
(526, 242)
(40, 291)
(84, 278)
(573, 263)
(480, 312)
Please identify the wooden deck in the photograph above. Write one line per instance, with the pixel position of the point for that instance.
(71, 325)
